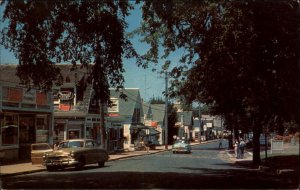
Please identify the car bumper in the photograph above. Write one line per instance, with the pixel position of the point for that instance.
(62, 163)
(180, 150)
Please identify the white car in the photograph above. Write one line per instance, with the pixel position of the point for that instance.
(181, 146)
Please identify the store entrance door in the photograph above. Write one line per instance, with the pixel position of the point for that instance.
(27, 135)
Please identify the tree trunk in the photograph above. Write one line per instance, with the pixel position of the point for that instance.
(102, 127)
(256, 144)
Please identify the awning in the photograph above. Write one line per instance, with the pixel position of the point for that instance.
(152, 131)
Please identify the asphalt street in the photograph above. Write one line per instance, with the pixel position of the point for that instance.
(207, 167)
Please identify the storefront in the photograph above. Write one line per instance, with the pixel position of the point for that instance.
(25, 119)
(73, 125)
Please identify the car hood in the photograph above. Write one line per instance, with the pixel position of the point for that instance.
(61, 152)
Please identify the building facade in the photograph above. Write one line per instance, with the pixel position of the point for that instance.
(26, 116)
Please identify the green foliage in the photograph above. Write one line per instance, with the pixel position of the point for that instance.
(242, 57)
(156, 100)
(43, 33)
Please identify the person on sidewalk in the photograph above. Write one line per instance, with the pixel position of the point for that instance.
(236, 149)
(242, 148)
(220, 142)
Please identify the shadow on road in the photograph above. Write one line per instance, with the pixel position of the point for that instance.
(207, 179)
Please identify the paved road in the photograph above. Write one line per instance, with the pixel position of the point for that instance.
(207, 167)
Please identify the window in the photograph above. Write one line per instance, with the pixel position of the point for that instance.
(10, 130)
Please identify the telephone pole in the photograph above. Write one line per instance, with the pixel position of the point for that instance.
(166, 110)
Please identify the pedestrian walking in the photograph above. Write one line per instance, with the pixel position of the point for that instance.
(242, 148)
(236, 149)
(220, 142)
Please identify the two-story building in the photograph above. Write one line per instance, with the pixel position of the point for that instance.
(76, 112)
(125, 120)
(26, 116)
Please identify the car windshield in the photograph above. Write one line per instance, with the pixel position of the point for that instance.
(180, 141)
(71, 144)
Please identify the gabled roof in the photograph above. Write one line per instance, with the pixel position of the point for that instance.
(133, 100)
(158, 111)
(8, 73)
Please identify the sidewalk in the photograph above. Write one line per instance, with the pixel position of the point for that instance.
(25, 168)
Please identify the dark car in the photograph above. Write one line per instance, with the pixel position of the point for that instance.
(75, 153)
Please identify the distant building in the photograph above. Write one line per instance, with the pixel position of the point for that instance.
(185, 125)
(154, 115)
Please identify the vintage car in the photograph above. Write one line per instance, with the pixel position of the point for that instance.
(75, 153)
(181, 146)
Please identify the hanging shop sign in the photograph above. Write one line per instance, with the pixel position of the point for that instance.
(66, 95)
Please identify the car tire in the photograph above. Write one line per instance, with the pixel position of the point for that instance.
(81, 163)
(174, 152)
(50, 168)
(101, 164)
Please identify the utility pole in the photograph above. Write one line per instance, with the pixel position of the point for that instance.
(166, 111)
(199, 135)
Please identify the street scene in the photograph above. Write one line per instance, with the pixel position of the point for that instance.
(207, 167)
(149, 94)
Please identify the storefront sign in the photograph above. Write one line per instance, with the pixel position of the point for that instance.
(66, 95)
(114, 105)
(209, 125)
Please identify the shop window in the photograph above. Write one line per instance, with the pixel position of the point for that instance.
(42, 132)
(27, 129)
(9, 130)
(74, 134)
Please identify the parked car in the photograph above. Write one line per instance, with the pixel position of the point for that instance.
(181, 146)
(75, 153)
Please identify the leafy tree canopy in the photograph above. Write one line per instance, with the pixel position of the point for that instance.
(43, 33)
(240, 57)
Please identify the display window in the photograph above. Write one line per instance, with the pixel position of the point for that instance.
(27, 129)
(9, 130)
(42, 128)
(74, 134)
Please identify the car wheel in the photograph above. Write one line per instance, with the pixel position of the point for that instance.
(81, 163)
(174, 152)
(50, 168)
(101, 164)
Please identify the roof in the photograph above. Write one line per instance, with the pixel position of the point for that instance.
(133, 100)
(158, 111)
(8, 73)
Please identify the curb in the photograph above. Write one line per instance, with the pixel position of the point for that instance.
(110, 160)
(274, 170)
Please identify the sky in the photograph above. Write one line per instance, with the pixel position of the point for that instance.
(151, 84)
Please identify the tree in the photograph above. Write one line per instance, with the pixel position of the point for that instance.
(43, 33)
(157, 100)
(239, 59)
(172, 119)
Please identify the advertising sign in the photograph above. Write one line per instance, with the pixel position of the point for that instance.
(114, 106)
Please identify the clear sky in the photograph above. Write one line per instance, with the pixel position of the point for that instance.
(151, 84)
